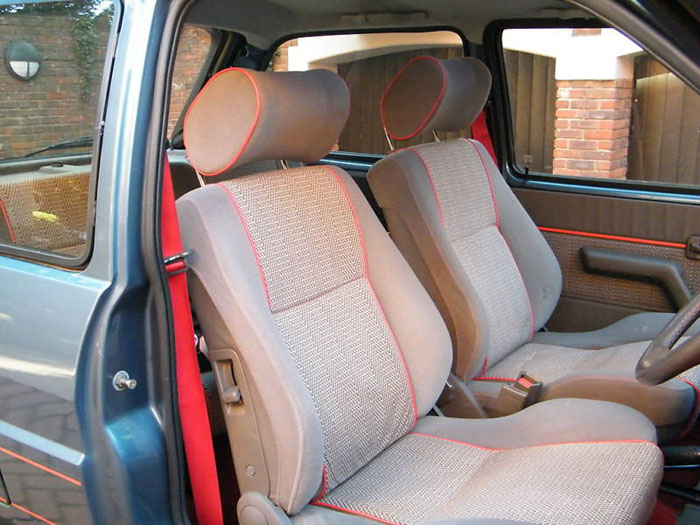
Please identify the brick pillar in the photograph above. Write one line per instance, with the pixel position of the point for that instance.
(592, 127)
(280, 62)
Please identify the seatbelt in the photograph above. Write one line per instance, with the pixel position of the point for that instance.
(480, 132)
(196, 432)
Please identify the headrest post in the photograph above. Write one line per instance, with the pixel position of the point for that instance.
(435, 136)
(388, 139)
(284, 164)
(200, 179)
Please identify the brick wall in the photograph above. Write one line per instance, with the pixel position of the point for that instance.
(592, 127)
(48, 108)
(192, 50)
(280, 62)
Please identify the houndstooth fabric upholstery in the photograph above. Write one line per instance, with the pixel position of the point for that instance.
(470, 217)
(311, 255)
(422, 478)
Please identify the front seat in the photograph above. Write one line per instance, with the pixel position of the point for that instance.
(339, 352)
(490, 271)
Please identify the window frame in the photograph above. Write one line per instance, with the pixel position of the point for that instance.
(64, 262)
(503, 135)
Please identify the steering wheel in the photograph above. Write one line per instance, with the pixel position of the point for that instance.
(660, 361)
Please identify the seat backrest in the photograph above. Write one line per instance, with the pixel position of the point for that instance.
(340, 344)
(449, 210)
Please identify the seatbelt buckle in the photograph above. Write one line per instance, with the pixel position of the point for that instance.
(176, 264)
(513, 397)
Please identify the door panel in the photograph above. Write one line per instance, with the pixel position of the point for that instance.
(571, 222)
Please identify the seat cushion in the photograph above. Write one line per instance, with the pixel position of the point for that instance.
(630, 329)
(457, 469)
(606, 374)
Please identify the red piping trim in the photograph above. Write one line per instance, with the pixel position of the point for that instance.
(42, 467)
(696, 407)
(613, 237)
(490, 378)
(358, 513)
(355, 512)
(324, 487)
(483, 368)
(498, 225)
(624, 441)
(432, 184)
(256, 119)
(432, 109)
(233, 200)
(488, 178)
(374, 294)
(7, 221)
(32, 514)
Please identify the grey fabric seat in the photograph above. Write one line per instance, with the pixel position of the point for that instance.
(486, 265)
(342, 353)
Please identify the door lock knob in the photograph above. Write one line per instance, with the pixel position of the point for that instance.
(122, 381)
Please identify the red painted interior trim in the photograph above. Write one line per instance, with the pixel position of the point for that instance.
(256, 119)
(27, 511)
(42, 467)
(432, 109)
(613, 237)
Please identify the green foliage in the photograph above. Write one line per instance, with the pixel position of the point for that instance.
(82, 18)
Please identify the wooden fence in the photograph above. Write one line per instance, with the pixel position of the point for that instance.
(665, 130)
(664, 135)
(533, 91)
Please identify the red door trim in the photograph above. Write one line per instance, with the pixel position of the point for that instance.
(614, 237)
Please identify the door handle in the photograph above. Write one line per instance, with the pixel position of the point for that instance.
(692, 247)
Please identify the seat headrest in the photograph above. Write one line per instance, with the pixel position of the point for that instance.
(241, 116)
(431, 94)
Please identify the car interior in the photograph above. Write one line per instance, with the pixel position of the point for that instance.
(440, 271)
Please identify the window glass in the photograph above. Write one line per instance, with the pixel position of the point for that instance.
(367, 63)
(591, 103)
(194, 50)
(53, 60)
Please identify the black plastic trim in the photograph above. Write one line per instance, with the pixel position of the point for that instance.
(667, 273)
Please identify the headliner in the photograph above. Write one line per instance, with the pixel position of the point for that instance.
(265, 21)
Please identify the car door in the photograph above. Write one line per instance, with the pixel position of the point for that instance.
(77, 444)
(600, 143)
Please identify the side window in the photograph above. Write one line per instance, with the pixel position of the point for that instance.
(367, 62)
(591, 103)
(53, 60)
(194, 49)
